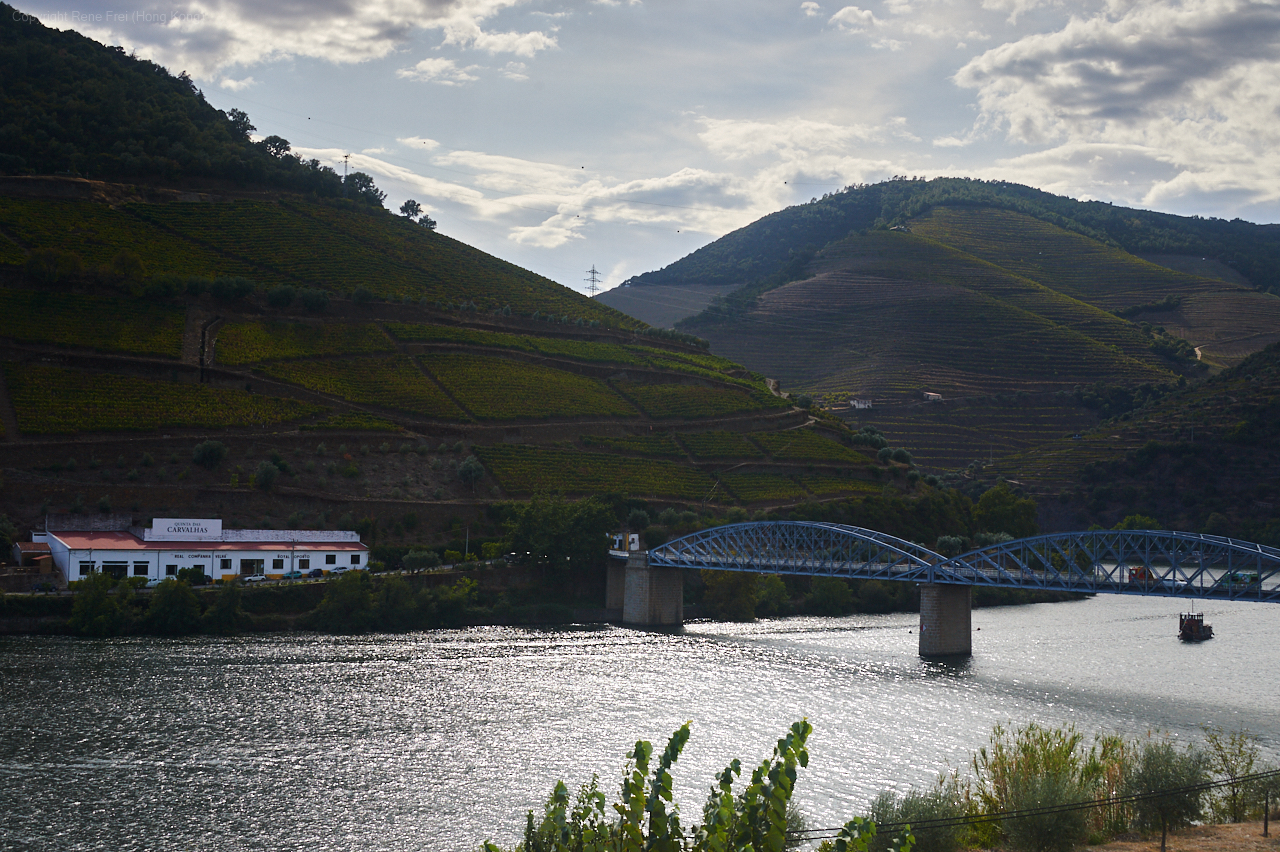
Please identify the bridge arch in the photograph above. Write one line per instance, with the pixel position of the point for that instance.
(807, 548)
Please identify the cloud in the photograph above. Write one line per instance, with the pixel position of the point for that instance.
(810, 9)
(437, 70)
(736, 139)
(851, 19)
(1194, 87)
(215, 34)
(237, 85)
(515, 71)
(420, 143)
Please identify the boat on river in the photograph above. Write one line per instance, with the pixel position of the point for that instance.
(1191, 627)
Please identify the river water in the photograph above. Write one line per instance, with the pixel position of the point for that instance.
(441, 740)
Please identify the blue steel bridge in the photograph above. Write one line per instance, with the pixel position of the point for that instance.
(1129, 562)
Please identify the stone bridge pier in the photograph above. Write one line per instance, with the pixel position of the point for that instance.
(946, 620)
(645, 595)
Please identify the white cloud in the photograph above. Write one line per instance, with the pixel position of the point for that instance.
(420, 143)
(237, 85)
(789, 138)
(214, 34)
(515, 71)
(438, 70)
(810, 9)
(1194, 88)
(851, 19)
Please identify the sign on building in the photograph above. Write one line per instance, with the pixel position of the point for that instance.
(185, 529)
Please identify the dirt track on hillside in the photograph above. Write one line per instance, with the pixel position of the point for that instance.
(1239, 837)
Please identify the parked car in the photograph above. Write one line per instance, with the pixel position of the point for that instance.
(153, 582)
(339, 569)
(254, 578)
(315, 573)
(293, 575)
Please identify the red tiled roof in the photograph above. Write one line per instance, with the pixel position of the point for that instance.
(128, 541)
(33, 547)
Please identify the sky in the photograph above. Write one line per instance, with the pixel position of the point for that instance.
(620, 135)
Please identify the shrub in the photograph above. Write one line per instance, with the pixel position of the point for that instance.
(281, 296)
(96, 612)
(315, 301)
(830, 596)
(1060, 831)
(208, 454)
(265, 476)
(1160, 766)
(421, 560)
(174, 610)
(1231, 755)
(915, 807)
(638, 519)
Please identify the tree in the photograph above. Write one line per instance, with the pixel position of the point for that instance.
(95, 612)
(420, 560)
(1231, 755)
(174, 610)
(730, 595)
(411, 209)
(471, 471)
(281, 296)
(240, 126)
(1160, 766)
(830, 596)
(265, 476)
(276, 146)
(562, 533)
(1000, 510)
(362, 188)
(1138, 522)
(427, 222)
(225, 616)
(347, 606)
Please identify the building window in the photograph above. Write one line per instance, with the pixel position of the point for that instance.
(140, 569)
(118, 570)
(251, 566)
(277, 564)
(331, 559)
(86, 568)
(304, 564)
(355, 559)
(225, 564)
(171, 570)
(199, 568)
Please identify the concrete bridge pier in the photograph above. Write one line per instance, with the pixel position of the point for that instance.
(647, 596)
(946, 620)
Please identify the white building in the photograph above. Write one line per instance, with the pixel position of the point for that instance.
(171, 544)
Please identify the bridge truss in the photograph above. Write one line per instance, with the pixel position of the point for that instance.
(1134, 562)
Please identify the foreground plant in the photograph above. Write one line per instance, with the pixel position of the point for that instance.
(646, 817)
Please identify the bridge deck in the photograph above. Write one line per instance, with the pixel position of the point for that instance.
(1130, 562)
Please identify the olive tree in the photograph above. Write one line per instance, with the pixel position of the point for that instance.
(1162, 767)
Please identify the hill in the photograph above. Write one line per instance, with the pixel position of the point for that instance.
(1204, 458)
(75, 107)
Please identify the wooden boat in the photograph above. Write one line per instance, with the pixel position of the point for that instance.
(1191, 627)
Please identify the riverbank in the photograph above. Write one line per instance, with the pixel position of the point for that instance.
(1234, 837)
(501, 596)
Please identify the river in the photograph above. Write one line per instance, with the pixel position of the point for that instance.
(441, 740)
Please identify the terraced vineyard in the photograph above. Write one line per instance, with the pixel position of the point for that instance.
(720, 445)
(97, 233)
(762, 487)
(524, 470)
(391, 382)
(354, 421)
(249, 342)
(588, 351)
(831, 486)
(664, 401)
(1065, 261)
(655, 446)
(500, 389)
(91, 322)
(807, 445)
(52, 400)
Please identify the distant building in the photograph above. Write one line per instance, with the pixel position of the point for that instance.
(82, 545)
(932, 397)
(860, 403)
